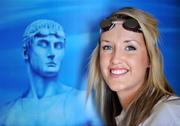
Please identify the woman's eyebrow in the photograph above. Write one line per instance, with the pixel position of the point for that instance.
(131, 41)
(103, 40)
(127, 41)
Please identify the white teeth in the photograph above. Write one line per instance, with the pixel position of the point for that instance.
(118, 71)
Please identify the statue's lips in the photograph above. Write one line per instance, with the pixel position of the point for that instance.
(51, 64)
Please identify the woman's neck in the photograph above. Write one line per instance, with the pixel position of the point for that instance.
(127, 96)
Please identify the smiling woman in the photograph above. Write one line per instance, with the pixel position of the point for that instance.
(123, 55)
(126, 72)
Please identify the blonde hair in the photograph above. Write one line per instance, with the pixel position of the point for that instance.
(155, 85)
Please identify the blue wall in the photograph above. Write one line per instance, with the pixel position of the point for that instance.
(80, 19)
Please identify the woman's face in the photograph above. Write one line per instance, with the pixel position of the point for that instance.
(123, 59)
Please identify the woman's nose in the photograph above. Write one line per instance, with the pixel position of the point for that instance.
(116, 57)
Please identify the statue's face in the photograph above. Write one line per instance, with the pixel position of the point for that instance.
(46, 55)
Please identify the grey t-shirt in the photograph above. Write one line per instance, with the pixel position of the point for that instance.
(165, 113)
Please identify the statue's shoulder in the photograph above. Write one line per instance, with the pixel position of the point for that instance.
(7, 109)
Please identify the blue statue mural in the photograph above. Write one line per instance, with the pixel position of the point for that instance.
(48, 102)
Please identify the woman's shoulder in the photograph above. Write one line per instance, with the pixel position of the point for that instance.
(166, 112)
(170, 103)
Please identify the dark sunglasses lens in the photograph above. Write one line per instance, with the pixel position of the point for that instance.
(106, 25)
(132, 25)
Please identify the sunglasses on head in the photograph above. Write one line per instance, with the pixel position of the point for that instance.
(129, 23)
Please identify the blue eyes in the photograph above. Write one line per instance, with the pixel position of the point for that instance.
(107, 47)
(44, 44)
(130, 48)
(127, 48)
